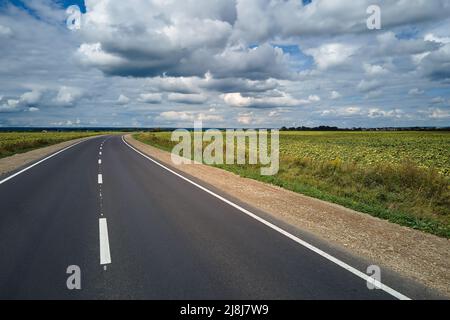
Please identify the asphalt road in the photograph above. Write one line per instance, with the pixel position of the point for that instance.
(166, 238)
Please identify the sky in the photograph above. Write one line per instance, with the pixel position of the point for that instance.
(227, 63)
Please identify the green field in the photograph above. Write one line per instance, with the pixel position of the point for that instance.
(19, 142)
(403, 177)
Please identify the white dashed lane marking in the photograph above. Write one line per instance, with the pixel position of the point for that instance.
(105, 255)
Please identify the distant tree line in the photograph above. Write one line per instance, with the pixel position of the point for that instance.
(156, 129)
(328, 128)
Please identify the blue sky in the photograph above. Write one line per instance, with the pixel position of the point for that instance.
(228, 63)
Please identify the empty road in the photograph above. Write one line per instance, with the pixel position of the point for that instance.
(139, 231)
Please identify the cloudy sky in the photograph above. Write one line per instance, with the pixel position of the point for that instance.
(229, 63)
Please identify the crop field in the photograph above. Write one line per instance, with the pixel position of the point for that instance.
(19, 142)
(403, 177)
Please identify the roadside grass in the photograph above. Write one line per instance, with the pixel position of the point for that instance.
(19, 142)
(402, 177)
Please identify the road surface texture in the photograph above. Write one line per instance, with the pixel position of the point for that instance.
(139, 231)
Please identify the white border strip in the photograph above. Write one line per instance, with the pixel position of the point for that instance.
(305, 244)
(39, 162)
(105, 256)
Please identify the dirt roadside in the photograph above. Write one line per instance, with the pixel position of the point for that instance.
(17, 161)
(422, 257)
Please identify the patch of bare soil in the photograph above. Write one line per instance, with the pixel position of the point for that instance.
(415, 254)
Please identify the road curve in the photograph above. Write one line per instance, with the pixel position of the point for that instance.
(139, 232)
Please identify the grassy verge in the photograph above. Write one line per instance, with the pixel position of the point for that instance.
(19, 142)
(401, 190)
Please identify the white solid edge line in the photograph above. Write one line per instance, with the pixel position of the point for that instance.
(39, 162)
(305, 244)
(100, 178)
(105, 255)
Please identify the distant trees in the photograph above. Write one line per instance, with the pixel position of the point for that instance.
(329, 128)
(319, 128)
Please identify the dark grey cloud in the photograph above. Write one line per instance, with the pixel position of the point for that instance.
(436, 65)
(152, 98)
(192, 98)
(230, 85)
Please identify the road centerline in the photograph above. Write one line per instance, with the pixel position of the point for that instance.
(105, 255)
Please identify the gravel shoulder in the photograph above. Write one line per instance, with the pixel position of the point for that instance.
(422, 257)
(20, 160)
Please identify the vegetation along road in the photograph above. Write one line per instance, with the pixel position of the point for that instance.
(399, 176)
